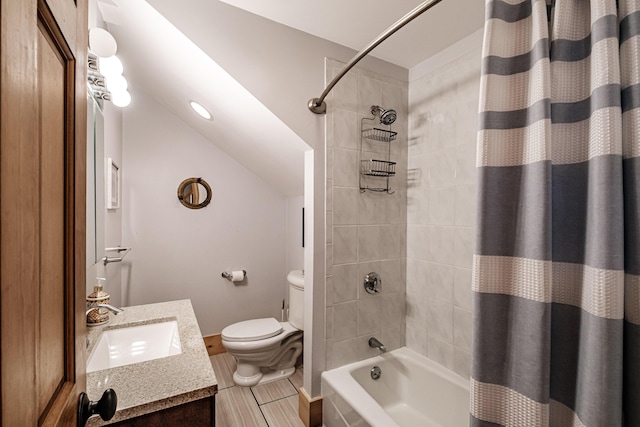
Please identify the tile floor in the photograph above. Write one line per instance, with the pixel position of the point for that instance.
(269, 405)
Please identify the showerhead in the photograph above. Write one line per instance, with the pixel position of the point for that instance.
(386, 116)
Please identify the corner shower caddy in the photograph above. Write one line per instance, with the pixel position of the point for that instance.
(375, 167)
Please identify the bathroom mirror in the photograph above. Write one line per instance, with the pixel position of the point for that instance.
(194, 193)
(95, 181)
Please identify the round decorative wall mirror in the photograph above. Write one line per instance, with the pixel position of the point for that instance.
(194, 193)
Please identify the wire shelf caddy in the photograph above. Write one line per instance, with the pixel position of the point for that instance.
(374, 167)
(381, 135)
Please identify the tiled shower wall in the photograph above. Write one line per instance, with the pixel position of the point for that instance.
(366, 232)
(441, 211)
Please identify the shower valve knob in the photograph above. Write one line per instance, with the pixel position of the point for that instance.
(372, 283)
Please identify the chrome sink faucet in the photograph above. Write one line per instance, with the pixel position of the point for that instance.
(374, 343)
(114, 310)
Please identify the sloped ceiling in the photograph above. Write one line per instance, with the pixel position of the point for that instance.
(160, 60)
(165, 64)
(354, 23)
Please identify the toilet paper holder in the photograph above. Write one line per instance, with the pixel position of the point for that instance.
(229, 275)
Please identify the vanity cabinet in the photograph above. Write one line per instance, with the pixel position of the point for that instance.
(177, 390)
(198, 413)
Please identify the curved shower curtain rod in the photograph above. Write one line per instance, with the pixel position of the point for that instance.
(317, 105)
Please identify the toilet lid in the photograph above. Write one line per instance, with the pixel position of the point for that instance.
(252, 330)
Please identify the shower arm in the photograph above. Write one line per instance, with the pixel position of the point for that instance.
(317, 105)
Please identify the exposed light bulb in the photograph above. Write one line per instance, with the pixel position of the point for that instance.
(111, 66)
(203, 112)
(121, 99)
(116, 83)
(102, 43)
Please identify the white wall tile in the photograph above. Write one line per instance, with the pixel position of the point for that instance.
(440, 320)
(442, 168)
(417, 206)
(345, 94)
(393, 337)
(441, 352)
(328, 291)
(391, 241)
(417, 276)
(345, 206)
(343, 352)
(418, 242)
(465, 164)
(439, 282)
(463, 246)
(345, 168)
(394, 97)
(369, 208)
(393, 309)
(368, 242)
(392, 273)
(345, 280)
(416, 309)
(416, 339)
(441, 244)
(443, 122)
(329, 159)
(368, 229)
(345, 321)
(462, 328)
(369, 315)
(441, 208)
(461, 362)
(328, 228)
(462, 294)
(345, 129)
(329, 260)
(345, 244)
(465, 205)
(369, 93)
(328, 327)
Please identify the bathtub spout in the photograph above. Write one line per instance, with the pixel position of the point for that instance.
(374, 343)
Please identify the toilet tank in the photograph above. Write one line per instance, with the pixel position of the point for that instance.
(296, 298)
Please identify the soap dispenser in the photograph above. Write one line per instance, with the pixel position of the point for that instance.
(99, 315)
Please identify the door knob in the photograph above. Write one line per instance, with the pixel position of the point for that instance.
(105, 407)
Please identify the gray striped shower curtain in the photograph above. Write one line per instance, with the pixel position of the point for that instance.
(556, 283)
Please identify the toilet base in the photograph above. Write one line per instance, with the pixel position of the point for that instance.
(263, 377)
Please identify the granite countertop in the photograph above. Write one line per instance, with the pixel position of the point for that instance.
(157, 384)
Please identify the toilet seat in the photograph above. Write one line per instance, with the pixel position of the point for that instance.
(252, 330)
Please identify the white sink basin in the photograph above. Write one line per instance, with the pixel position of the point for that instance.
(125, 346)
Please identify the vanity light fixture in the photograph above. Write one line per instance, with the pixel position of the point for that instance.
(102, 43)
(117, 83)
(121, 98)
(202, 112)
(105, 69)
(110, 66)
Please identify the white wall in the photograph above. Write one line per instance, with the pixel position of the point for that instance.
(112, 137)
(180, 253)
(113, 217)
(295, 251)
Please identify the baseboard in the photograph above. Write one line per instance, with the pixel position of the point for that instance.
(309, 410)
(214, 344)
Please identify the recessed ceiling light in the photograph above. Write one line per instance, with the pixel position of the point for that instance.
(203, 112)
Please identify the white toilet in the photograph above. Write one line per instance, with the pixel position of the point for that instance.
(266, 350)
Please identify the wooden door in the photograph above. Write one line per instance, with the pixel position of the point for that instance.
(43, 45)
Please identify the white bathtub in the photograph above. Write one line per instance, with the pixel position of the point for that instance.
(412, 391)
